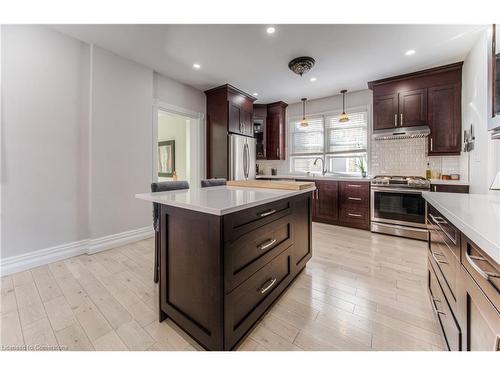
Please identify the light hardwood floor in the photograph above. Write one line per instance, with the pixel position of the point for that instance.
(360, 291)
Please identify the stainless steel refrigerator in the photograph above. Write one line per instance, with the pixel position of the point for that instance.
(242, 157)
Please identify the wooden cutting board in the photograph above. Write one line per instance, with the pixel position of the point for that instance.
(265, 184)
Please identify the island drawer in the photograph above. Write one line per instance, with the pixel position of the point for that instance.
(250, 252)
(245, 304)
(449, 233)
(445, 261)
(238, 223)
(444, 313)
(483, 270)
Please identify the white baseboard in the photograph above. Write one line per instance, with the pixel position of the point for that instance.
(41, 257)
(119, 239)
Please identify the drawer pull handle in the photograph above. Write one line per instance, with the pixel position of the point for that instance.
(438, 254)
(485, 275)
(354, 199)
(437, 260)
(356, 186)
(436, 300)
(440, 313)
(267, 285)
(439, 220)
(354, 215)
(267, 213)
(265, 245)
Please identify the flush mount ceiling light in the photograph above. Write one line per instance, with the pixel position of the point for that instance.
(301, 65)
(410, 52)
(255, 94)
(303, 122)
(343, 116)
(196, 66)
(270, 30)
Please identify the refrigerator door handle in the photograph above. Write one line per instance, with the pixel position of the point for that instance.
(248, 160)
(245, 161)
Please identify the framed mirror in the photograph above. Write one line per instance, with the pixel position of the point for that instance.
(494, 78)
(166, 158)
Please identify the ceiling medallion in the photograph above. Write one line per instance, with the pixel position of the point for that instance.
(301, 65)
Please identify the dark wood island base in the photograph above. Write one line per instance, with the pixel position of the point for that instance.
(220, 274)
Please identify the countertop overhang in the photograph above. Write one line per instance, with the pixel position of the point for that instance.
(476, 215)
(219, 200)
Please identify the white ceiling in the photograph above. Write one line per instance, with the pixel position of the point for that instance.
(347, 56)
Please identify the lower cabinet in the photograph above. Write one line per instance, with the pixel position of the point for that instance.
(342, 203)
(464, 287)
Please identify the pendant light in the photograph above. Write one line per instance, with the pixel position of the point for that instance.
(304, 123)
(343, 116)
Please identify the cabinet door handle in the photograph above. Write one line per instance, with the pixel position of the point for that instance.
(496, 348)
(266, 244)
(431, 143)
(484, 274)
(267, 285)
(396, 120)
(440, 312)
(401, 119)
(437, 260)
(278, 152)
(437, 219)
(267, 213)
(354, 215)
(354, 199)
(436, 300)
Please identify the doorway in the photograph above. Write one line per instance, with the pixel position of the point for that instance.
(177, 145)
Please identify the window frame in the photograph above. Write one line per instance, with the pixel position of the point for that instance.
(366, 108)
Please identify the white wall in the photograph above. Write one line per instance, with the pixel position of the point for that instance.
(44, 101)
(121, 138)
(77, 143)
(485, 158)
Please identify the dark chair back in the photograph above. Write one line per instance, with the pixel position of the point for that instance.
(164, 186)
(213, 182)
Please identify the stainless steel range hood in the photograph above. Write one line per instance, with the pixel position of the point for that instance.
(402, 133)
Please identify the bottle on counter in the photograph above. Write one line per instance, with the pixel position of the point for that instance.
(428, 173)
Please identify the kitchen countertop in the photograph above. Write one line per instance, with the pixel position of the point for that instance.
(315, 177)
(476, 215)
(449, 182)
(219, 200)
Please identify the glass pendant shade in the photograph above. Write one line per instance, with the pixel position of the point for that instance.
(304, 123)
(343, 116)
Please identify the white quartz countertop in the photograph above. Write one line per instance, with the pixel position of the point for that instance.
(313, 177)
(449, 182)
(219, 200)
(476, 215)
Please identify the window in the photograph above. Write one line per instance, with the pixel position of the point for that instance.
(341, 144)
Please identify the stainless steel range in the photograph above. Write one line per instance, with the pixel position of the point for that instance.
(397, 206)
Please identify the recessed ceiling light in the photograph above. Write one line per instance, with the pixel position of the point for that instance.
(313, 79)
(196, 66)
(410, 52)
(255, 94)
(270, 30)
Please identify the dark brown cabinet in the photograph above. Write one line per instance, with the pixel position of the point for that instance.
(385, 111)
(217, 284)
(443, 188)
(445, 119)
(464, 286)
(229, 110)
(275, 131)
(342, 203)
(430, 97)
(413, 108)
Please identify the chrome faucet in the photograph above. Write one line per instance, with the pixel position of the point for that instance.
(323, 170)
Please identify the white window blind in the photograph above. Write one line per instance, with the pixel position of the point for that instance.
(341, 144)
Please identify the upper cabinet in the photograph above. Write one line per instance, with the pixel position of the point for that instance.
(276, 131)
(229, 110)
(430, 97)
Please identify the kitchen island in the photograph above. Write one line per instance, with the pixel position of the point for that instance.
(226, 255)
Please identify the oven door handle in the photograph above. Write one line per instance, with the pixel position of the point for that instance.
(389, 190)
